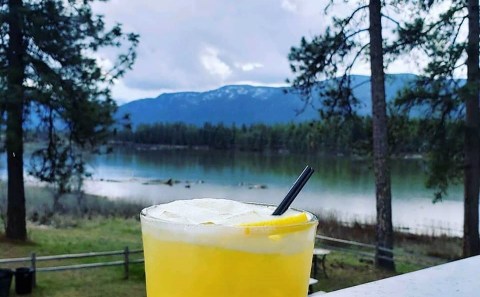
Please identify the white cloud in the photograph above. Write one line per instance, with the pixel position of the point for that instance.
(105, 64)
(213, 64)
(248, 66)
(124, 94)
(288, 5)
(305, 8)
(187, 46)
(257, 84)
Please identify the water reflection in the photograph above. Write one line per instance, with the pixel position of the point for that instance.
(342, 186)
(344, 175)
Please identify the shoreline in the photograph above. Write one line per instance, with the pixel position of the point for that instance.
(145, 192)
(39, 201)
(409, 215)
(165, 147)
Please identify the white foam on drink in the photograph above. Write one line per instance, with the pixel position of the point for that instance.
(212, 211)
(215, 222)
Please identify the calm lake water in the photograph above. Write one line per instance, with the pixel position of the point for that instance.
(340, 186)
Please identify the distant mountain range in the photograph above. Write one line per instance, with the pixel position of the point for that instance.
(243, 104)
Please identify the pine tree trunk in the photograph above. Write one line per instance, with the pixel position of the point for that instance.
(471, 242)
(384, 228)
(16, 223)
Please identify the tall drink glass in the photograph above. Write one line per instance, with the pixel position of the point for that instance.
(211, 260)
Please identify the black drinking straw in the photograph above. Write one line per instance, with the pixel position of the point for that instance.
(294, 190)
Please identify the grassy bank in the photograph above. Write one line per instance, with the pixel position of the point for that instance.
(104, 234)
(96, 234)
(432, 246)
(348, 265)
(73, 207)
(103, 225)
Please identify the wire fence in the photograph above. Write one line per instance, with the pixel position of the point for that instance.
(369, 251)
(33, 260)
(335, 244)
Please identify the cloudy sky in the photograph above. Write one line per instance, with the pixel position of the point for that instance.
(193, 45)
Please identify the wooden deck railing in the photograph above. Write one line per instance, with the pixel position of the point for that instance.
(34, 259)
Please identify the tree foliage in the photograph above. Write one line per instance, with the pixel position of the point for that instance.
(333, 55)
(308, 137)
(60, 80)
(450, 40)
(350, 136)
(442, 106)
(437, 91)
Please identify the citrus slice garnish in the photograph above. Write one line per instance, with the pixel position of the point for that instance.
(277, 227)
(283, 221)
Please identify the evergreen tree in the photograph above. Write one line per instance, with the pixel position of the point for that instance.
(446, 100)
(48, 68)
(337, 51)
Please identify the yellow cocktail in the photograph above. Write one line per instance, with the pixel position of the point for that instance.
(227, 256)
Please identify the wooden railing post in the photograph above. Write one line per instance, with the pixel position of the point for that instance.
(126, 261)
(34, 268)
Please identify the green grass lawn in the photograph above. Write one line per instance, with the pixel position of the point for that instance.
(89, 235)
(347, 270)
(106, 234)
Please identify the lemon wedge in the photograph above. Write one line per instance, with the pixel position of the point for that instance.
(284, 221)
(276, 228)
